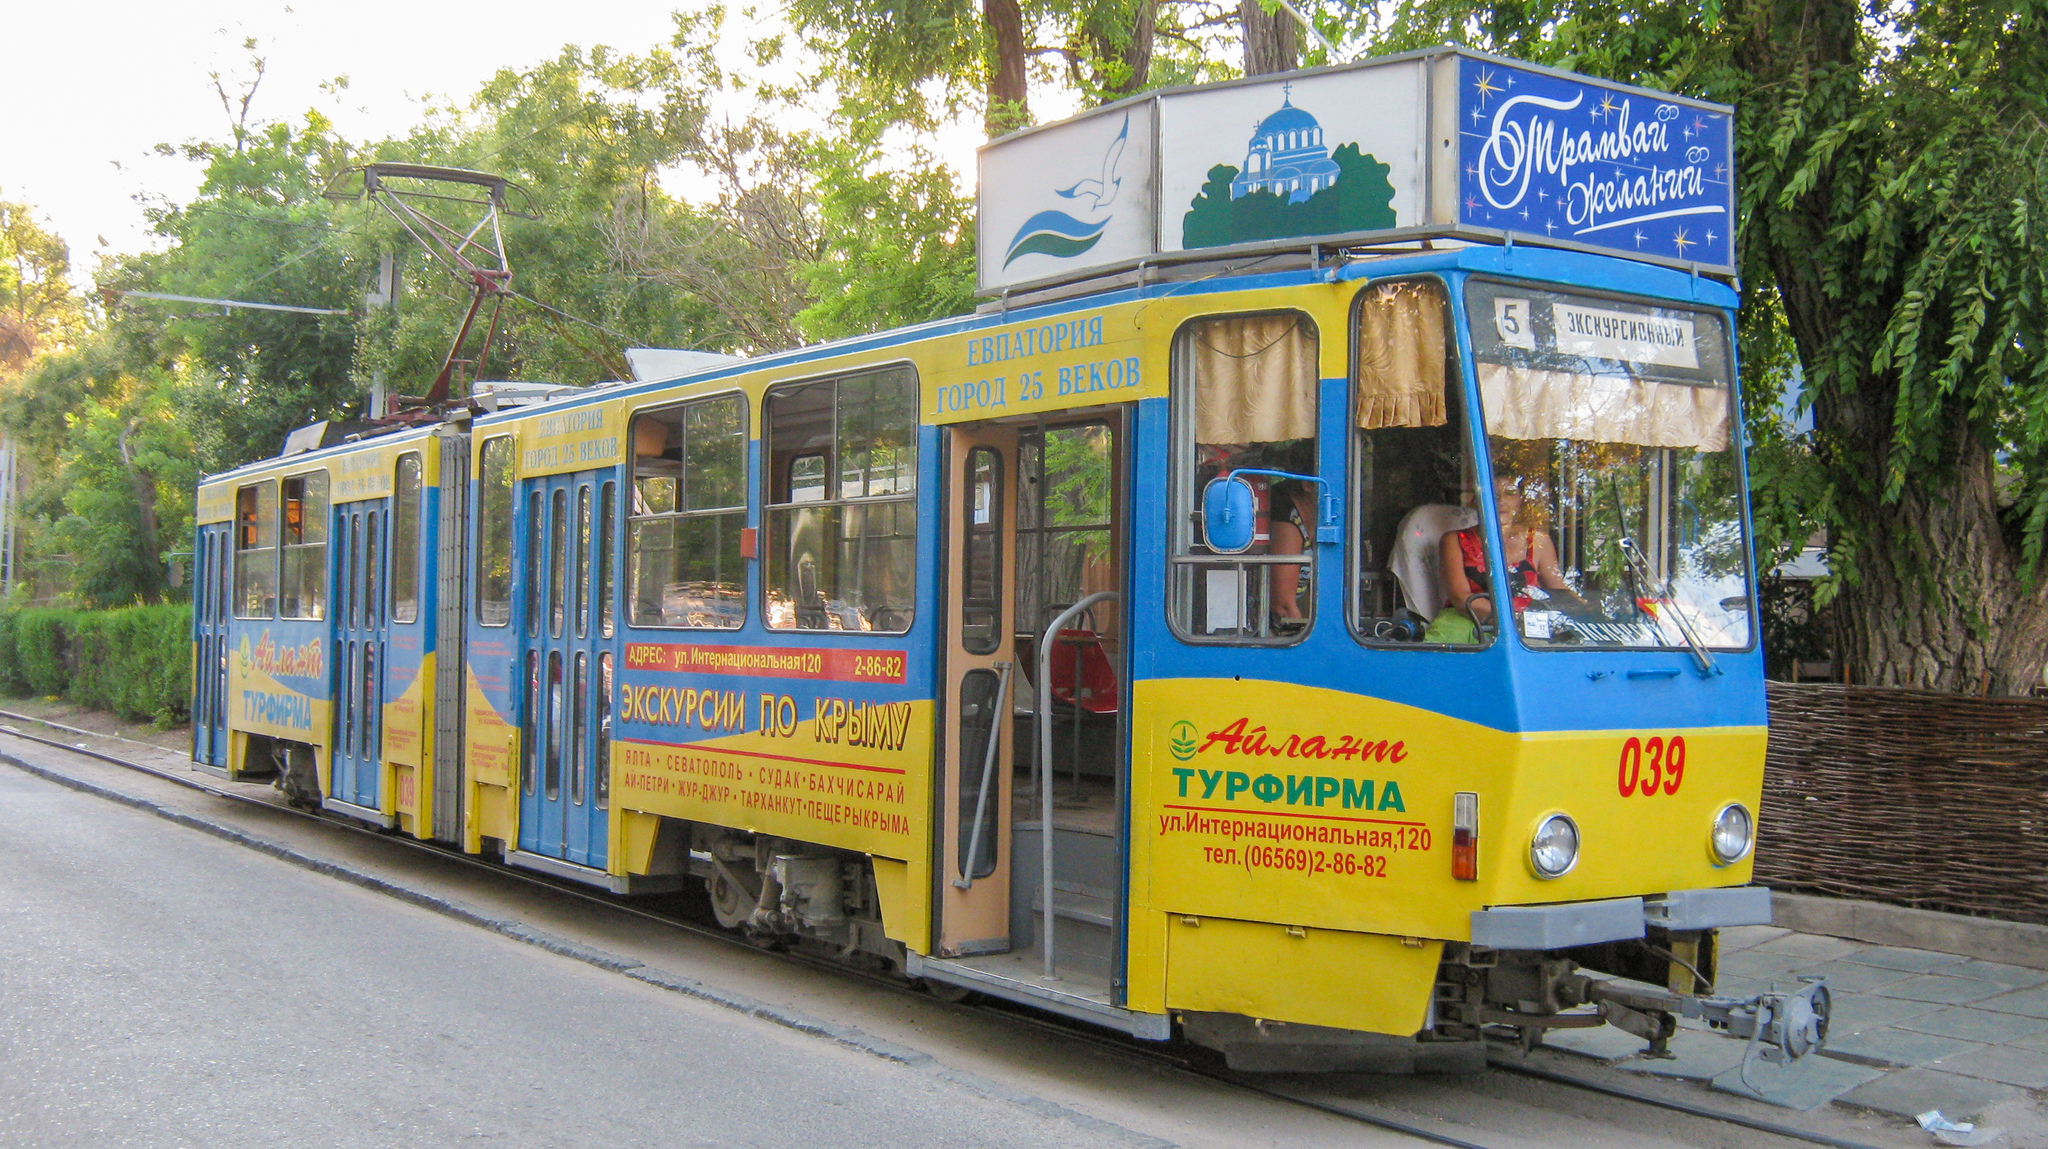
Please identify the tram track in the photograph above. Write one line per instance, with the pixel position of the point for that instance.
(1197, 1063)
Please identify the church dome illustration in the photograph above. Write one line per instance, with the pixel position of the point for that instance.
(1287, 156)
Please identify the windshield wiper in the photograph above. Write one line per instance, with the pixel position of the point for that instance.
(1639, 567)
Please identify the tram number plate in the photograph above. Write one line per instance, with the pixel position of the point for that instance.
(1651, 767)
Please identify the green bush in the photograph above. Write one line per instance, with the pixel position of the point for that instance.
(135, 662)
(11, 681)
(40, 650)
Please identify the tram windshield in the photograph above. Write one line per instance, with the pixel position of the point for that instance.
(1615, 473)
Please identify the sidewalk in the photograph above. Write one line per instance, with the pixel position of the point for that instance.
(1912, 1030)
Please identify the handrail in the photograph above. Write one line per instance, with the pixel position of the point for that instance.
(1042, 702)
(988, 768)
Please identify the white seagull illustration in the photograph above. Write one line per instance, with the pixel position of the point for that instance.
(1103, 191)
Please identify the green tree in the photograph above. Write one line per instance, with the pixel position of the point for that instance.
(1894, 168)
(38, 309)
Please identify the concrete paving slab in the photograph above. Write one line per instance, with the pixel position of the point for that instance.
(2022, 1067)
(1605, 1043)
(2034, 1041)
(1912, 1091)
(2009, 976)
(1854, 1012)
(1934, 987)
(1848, 977)
(1808, 1084)
(1890, 1048)
(1812, 947)
(1901, 958)
(1696, 1056)
(1761, 964)
(2032, 1002)
(1736, 938)
(1973, 1024)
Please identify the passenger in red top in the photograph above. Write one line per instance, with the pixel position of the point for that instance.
(1531, 559)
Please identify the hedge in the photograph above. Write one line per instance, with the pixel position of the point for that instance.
(135, 661)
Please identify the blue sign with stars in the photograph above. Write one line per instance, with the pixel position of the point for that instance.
(1625, 171)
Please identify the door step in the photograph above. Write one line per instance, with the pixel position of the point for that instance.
(592, 876)
(1019, 977)
(376, 818)
(1075, 905)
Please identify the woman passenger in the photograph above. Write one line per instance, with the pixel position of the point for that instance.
(1293, 521)
(1528, 554)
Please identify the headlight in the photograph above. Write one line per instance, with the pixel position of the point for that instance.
(1733, 833)
(1555, 848)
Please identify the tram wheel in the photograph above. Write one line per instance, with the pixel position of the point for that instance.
(947, 991)
(729, 903)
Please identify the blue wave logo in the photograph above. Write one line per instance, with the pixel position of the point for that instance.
(1063, 236)
(1054, 233)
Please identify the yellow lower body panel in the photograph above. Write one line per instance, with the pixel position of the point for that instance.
(1344, 980)
(496, 813)
(901, 914)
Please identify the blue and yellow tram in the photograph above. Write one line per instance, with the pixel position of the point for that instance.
(1329, 642)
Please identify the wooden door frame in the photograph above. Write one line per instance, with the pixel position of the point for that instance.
(976, 919)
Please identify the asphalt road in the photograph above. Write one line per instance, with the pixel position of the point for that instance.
(160, 987)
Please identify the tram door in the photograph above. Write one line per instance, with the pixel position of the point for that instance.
(562, 809)
(360, 631)
(980, 688)
(210, 652)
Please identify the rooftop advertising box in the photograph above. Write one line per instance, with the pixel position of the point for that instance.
(1441, 142)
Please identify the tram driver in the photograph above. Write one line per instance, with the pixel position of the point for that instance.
(1528, 554)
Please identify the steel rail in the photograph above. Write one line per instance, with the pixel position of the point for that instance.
(1148, 1052)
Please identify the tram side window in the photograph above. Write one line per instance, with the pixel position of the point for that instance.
(405, 541)
(842, 503)
(256, 551)
(1245, 398)
(1412, 468)
(689, 507)
(494, 534)
(302, 587)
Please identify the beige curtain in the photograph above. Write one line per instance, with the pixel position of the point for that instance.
(1524, 403)
(1255, 380)
(1401, 357)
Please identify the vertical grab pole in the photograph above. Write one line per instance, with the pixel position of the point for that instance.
(1043, 721)
(988, 770)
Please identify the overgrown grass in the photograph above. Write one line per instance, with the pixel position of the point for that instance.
(135, 662)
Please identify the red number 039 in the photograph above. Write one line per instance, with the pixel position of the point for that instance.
(1648, 767)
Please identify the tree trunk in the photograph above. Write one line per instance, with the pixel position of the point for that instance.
(144, 487)
(1008, 96)
(1138, 57)
(1937, 601)
(1272, 41)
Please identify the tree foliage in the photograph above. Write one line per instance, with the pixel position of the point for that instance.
(1894, 167)
(38, 310)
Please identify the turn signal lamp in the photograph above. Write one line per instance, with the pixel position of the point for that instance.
(1465, 837)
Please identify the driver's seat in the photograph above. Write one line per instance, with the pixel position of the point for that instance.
(1417, 557)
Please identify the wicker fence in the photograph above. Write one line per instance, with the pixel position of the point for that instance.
(1911, 797)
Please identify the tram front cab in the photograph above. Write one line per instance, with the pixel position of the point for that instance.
(1531, 514)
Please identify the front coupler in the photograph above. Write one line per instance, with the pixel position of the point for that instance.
(1781, 1026)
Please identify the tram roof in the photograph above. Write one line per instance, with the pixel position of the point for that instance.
(1566, 268)
(1138, 285)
